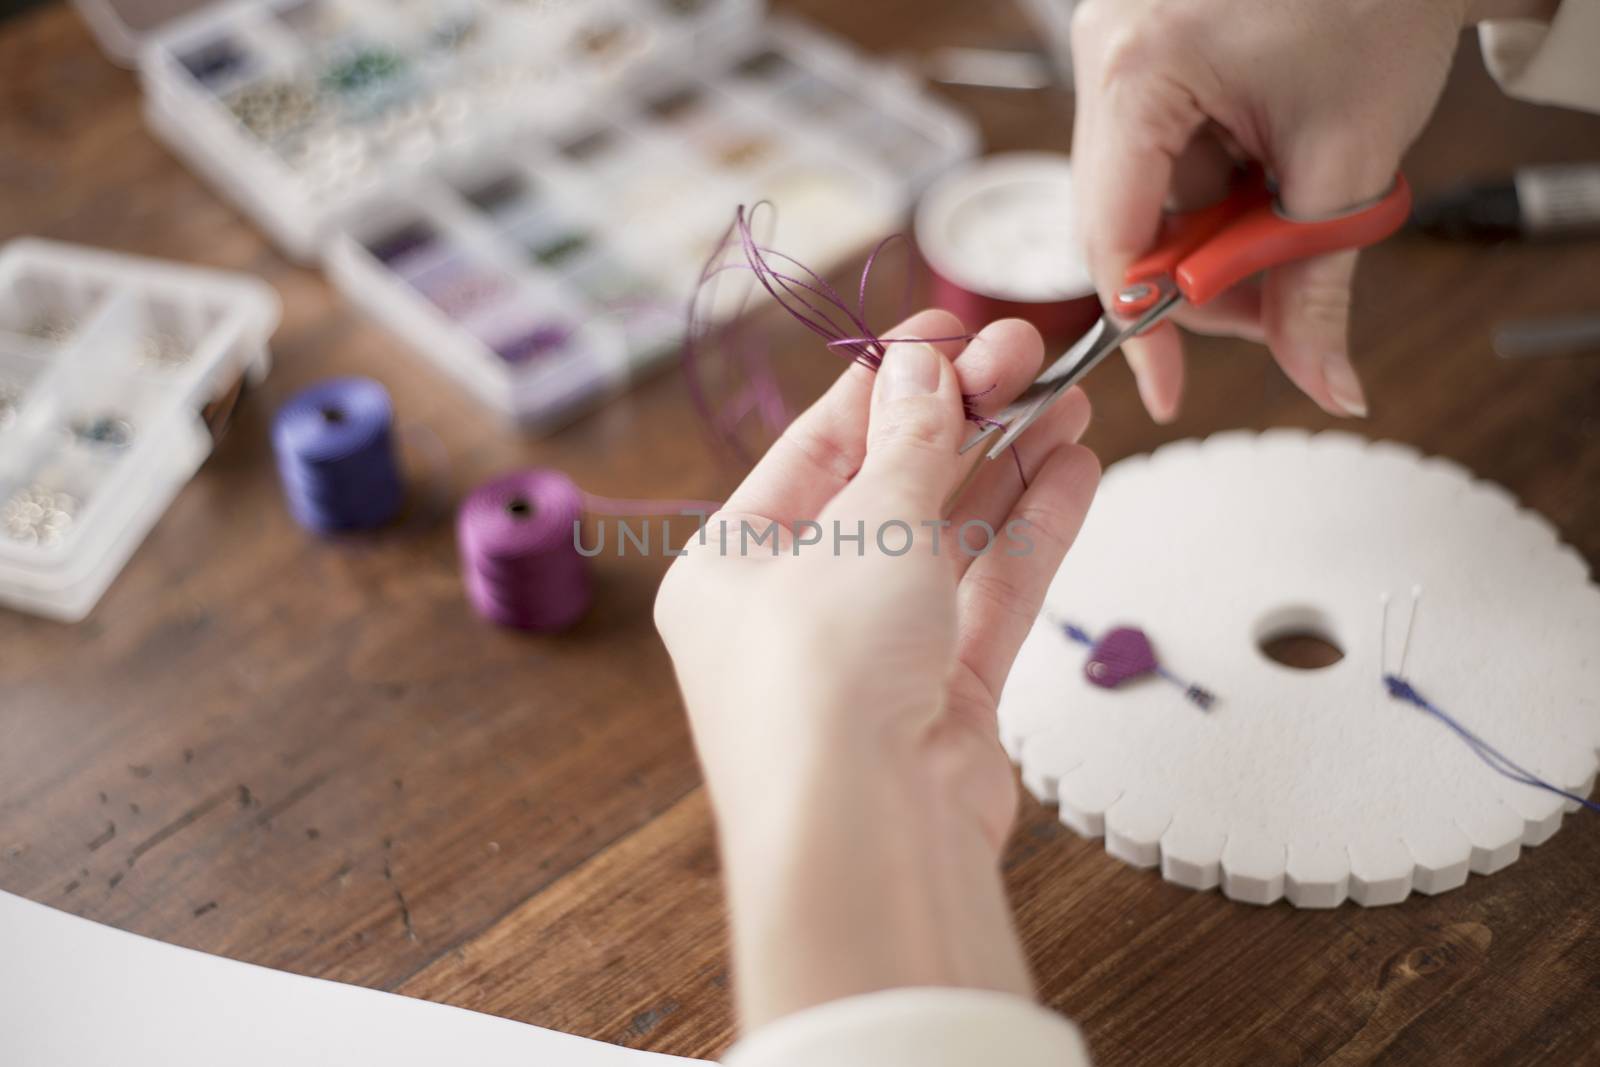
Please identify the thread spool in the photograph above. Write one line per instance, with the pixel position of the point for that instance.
(518, 560)
(336, 456)
(999, 241)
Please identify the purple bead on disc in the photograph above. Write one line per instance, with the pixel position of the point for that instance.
(1120, 656)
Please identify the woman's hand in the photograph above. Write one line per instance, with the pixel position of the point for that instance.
(1327, 94)
(841, 677)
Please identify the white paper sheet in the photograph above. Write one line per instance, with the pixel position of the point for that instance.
(74, 993)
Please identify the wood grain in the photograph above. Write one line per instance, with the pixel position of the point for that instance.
(310, 755)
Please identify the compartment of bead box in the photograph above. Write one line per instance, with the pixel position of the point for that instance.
(23, 362)
(469, 274)
(610, 222)
(96, 426)
(100, 419)
(299, 108)
(48, 306)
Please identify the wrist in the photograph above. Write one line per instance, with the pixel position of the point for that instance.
(855, 883)
(782, 791)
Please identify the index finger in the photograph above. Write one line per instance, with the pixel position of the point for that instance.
(1131, 125)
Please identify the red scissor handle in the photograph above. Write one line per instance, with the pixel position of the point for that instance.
(1209, 251)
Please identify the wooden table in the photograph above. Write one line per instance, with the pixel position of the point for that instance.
(310, 755)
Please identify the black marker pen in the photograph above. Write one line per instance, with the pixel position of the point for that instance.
(1562, 200)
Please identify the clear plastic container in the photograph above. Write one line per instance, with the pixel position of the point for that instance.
(299, 109)
(595, 241)
(108, 366)
(527, 193)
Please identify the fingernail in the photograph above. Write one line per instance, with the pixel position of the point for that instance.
(1343, 384)
(909, 370)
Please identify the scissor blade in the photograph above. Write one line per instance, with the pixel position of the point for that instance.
(1060, 376)
(1104, 338)
(1043, 389)
(981, 436)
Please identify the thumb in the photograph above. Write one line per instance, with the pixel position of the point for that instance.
(1305, 306)
(913, 432)
(1305, 311)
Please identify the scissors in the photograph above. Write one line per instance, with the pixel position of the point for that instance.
(1199, 255)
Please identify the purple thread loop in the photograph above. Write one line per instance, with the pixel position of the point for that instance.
(812, 301)
(1499, 762)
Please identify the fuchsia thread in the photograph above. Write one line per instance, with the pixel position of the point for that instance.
(811, 300)
(519, 561)
(623, 507)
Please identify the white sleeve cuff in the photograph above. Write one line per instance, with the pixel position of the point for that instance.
(1548, 63)
(916, 1028)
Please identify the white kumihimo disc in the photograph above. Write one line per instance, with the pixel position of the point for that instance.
(1313, 785)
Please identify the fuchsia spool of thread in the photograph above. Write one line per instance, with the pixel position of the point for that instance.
(999, 238)
(519, 561)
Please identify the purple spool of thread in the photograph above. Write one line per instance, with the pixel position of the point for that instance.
(518, 559)
(336, 456)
